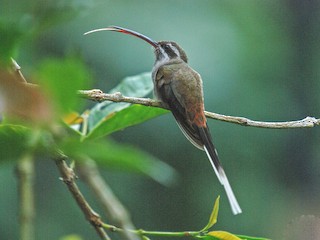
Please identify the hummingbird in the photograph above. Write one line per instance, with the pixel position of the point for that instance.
(179, 88)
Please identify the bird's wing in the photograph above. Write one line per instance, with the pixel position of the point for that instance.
(171, 94)
(187, 108)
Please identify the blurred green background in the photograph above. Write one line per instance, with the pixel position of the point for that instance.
(257, 59)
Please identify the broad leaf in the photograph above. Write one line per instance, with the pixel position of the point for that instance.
(135, 86)
(128, 116)
(214, 215)
(120, 156)
(108, 117)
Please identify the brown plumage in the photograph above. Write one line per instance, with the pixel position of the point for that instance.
(179, 87)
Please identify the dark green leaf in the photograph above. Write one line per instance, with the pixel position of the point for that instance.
(119, 156)
(13, 141)
(16, 140)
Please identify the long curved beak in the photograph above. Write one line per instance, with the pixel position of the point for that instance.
(126, 31)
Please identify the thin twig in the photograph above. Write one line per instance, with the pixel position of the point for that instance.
(99, 96)
(18, 72)
(25, 174)
(113, 208)
(143, 233)
(68, 177)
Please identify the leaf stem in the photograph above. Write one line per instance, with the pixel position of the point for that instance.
(142, 232)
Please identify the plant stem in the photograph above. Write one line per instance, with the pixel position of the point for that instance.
(142, 232)
(25, 174)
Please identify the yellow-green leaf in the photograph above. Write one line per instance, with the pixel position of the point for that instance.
(71, 237)
(214, 215)
(222, 235)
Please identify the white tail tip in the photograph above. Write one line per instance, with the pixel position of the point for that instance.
(231, 197)
(224, 181)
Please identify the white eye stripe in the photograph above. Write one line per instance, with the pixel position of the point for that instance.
(174, 49)
(164, 54)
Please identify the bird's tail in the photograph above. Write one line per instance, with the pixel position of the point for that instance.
(218, 169)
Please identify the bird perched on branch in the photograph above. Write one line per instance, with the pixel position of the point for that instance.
(179, 87)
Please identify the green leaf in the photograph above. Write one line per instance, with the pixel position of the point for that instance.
(61, 79)
(251, 238)
(17, 140)
(13, 141)
(214, 215)
(108, 117)
(129, 116)
(135, 86)
(222, 235)
(120, 156)
(71, 237)
(11, 37)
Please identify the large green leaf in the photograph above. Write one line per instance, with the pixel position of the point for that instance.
(108, 117)
(123, 157)
(128, 116)
(62, 78)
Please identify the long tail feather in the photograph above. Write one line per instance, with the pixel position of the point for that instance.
(218, 169)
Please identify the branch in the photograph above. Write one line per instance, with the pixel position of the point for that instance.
(68, 177)
(17, 70)
(99, 96)
(115, 211)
